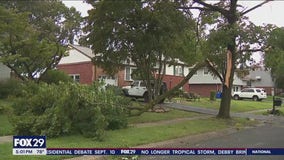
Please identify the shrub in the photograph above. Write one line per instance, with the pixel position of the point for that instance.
(55, 76)
(117, 90)
(68, 108)
(212, 95)
(11, 87)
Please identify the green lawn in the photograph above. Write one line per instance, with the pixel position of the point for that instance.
(281, 109)
(5, 126)
(154, 117)
(132, 136)
(236, 105)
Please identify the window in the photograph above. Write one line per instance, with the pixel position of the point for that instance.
(178, 70)
(206, 71)
(250, 90)
(75, 77)
(249, 83)
(128, 73)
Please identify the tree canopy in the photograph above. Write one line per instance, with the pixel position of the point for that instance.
(229, 41)
(274, 56)
(151, 34)
(34, 35)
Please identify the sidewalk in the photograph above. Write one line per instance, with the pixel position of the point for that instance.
(5, 139)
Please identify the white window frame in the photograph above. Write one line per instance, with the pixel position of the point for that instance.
(178, 71)
(126, 74)
(73, 76)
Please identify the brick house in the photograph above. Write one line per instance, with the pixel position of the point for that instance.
(203, 82)
(78, 65)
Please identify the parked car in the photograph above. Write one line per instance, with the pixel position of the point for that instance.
(138, 90)
(256, 94)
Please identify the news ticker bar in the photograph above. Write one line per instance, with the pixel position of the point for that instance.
(148, 151)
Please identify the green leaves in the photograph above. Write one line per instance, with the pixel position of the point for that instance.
(119, 30)
(274, 56)
(33, 35)
(68, 108)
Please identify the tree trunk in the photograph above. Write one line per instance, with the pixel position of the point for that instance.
(224, 110)
(168, 93)
(180, 84)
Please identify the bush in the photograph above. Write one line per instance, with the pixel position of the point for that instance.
(55, 76)
(10, 87)
(212, 95)
(117, 90)
(68, 108)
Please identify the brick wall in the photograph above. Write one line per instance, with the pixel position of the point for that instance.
(121, 78)
(172, 81)
(169, 79)
(84, 69)
(204, 89)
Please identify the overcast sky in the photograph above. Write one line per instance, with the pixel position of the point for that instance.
(269, 13)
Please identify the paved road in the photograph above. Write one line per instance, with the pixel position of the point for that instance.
(271, 134)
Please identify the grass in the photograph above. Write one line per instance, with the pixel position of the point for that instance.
(154, 117)
(236, 105)
(281, 111)
(5, 126)
(132, 136)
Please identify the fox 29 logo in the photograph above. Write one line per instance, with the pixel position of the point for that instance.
(29, 141)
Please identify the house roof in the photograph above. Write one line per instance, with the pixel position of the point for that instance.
(84, 50)
(77, 54)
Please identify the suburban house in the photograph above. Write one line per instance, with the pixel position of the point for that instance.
(5, 72)
(202, 82)
(78, 64)
(261, 78)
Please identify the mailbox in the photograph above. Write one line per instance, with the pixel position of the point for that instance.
(277, 102)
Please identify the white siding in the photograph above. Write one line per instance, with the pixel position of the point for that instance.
(4, 72)
(74, 57)
(169, 70)
(201, 78)
(185, 71)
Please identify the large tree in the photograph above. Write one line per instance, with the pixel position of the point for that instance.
(34, 35)
(274, 56)
(229, 41)
(151, 34)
